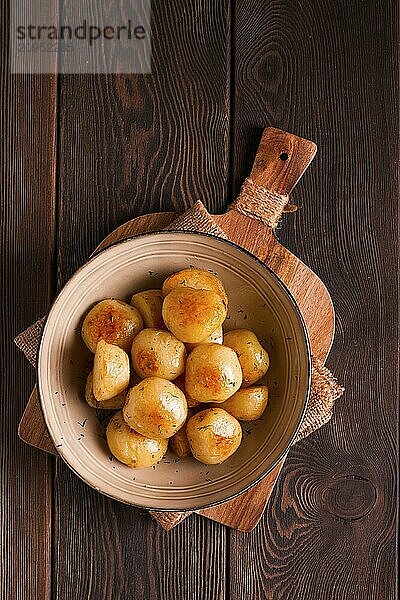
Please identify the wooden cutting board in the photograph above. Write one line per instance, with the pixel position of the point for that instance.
(281, 160)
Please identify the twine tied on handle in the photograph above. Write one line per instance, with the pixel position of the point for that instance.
(257, 202)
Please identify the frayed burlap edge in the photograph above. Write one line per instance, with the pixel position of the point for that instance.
(197, 219)
(28, 341)
(324, 391)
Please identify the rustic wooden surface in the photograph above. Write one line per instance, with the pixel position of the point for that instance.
(122, 146)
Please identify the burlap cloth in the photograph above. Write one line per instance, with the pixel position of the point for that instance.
(324, 387)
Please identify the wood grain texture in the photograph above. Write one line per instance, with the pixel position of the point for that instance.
(281, 160)
(134, 144)
(327, 72)
(32, 428)
(27, 194)
(123, 553)
(130, 145)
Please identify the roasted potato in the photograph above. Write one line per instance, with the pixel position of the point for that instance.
(158, 353)
(180, 382)
(113, 321)
(253, 358)
(213, 373)
(214, 435)
(130, 447)
(248, 404)
(111, 371)
(155, 407)
(114, 403)
(192, 315)
(179, 443)
(149, 304)
(197, 279)
(216, 337)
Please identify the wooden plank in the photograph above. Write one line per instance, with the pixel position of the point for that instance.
(131, 145)
(27, 206)
(326, 71)
(113, 551)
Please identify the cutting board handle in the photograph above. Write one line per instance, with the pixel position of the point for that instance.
(281, 160)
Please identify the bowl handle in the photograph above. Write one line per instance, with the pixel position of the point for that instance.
(281, 160)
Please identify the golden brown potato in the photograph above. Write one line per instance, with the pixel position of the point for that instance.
(248, 404)
(214, 435)
(158, 353)
(253, 358)
(179, 443)
(114, 403)
(180, 382)
(156, 408)
(213, 373)
(111, 371)
(216, 337)
(149, 304)
(197, 279)
(113, 321)
(130, 447)
(192, 315)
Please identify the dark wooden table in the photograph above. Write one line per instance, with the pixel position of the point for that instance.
(81, 154)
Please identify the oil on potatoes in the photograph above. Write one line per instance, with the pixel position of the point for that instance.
(112, 321)
(131, 448)
(175, 378)
(111, 371)
(214, 435)
(155, 407)
(158, 353)
(149, 304)
(248, 404)
(253, 359)
(213, 373)
(192, 315)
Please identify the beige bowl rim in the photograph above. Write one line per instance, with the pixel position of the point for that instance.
(296, 311)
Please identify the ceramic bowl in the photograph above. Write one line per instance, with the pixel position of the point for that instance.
(257, 300)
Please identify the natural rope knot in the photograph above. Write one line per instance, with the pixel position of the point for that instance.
(260, 203)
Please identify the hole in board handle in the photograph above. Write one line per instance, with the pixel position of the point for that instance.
(284, 156)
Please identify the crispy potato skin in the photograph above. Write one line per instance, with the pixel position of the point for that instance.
(113, 321)
(115, 403)
(253, 359)
(248, 404)
(192, 315)
(216, 337)
(155, 408)
(111, 371)
(149, 304)
(197, 279)
(213, 373)
(214, 435)
(158, 353)
(131, 448)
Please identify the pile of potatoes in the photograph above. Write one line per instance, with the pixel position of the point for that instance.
(159, 359)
